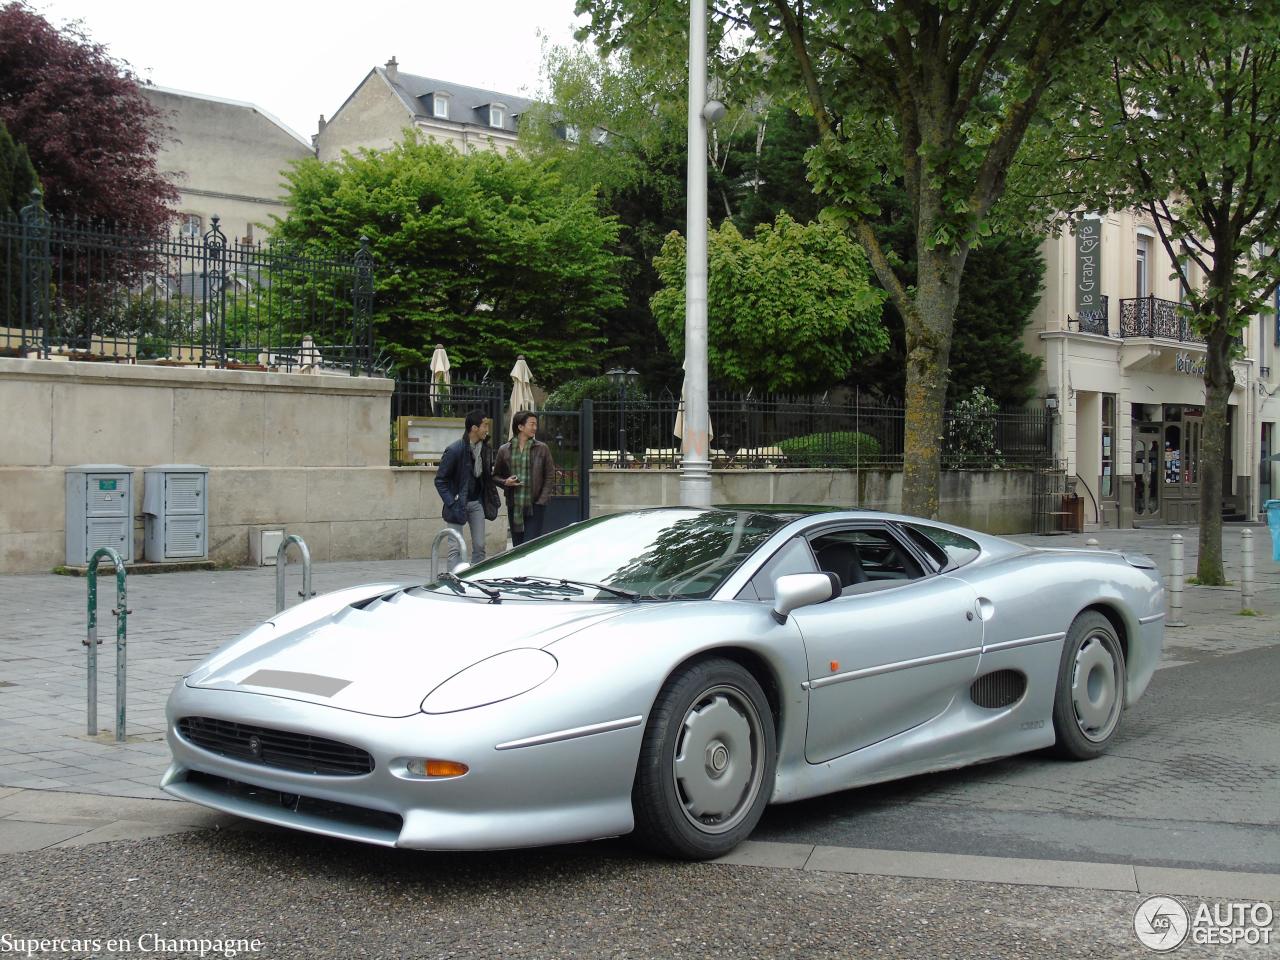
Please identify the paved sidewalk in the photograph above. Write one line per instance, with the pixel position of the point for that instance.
(59, 786)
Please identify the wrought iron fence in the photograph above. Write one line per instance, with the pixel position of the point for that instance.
(92, 292)
(798, 432)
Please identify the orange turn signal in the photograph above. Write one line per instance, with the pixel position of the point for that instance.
(446, 768)
(835, 665)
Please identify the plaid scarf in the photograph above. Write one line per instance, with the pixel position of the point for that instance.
(521, 460)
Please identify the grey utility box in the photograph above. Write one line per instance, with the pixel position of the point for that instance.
(99, 511)
(175, 512)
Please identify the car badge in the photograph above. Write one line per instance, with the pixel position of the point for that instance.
(255, 747)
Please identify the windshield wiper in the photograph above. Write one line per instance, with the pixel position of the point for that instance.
(494, 596)
(562, 582)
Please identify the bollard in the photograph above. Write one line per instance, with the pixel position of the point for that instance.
(1091, 543)
(121, 612)
(1246, 578)
(435, 549)
(282, 561)
(1177, 576)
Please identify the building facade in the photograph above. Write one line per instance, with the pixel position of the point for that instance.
(387, 102)
(227, 159)
(1126, 377)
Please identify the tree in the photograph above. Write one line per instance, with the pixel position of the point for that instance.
(939, 94)
(790, 308)
(1190, 132)
(91, 134)
(17, 176)
(606, 123)
(493, 255)
(17, 180)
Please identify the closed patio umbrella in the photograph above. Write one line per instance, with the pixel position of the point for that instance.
(439, 376)
(679, 427)
(521, 391)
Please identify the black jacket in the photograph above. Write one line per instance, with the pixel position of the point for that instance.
(453, 480)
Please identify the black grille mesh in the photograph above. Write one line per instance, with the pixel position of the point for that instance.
(300, 752)
(999, 689)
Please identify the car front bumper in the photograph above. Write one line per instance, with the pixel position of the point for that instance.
(575, 787)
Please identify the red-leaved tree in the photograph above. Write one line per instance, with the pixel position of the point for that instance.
(91, 134)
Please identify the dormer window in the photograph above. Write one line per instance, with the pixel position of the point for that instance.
(571, 134)
(440, 106)
(497, 115)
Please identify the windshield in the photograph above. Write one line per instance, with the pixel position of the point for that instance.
(654, 554)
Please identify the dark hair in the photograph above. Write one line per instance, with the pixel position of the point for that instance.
(474, 419)
(519, 419)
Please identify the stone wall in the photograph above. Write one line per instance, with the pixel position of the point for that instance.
(995, 501)
(301, 451)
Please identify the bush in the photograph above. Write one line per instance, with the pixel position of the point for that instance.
(570, 394)
(840, 448)
(971, 434)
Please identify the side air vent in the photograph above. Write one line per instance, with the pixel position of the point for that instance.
(999, 689)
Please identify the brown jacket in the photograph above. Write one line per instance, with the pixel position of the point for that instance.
(542, 471)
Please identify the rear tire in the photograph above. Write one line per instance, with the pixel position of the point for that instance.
(707, 763)
(1090, 693)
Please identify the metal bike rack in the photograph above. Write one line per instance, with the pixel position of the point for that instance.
(121, 613)
(435, 548)
(282, 560)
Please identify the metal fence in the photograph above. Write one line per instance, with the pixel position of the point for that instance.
(790, 431)
(91, 292)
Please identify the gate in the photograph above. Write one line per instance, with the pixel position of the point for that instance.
(568, 434)
(1050, 488)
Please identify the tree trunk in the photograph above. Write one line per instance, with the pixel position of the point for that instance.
(928, 336)
(1219, 381)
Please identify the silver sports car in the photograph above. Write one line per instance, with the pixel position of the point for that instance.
(668, 672)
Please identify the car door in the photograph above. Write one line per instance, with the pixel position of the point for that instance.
(892, 652)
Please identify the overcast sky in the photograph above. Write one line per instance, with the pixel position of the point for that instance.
(298, 61)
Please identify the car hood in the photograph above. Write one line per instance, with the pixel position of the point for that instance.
(383, 656)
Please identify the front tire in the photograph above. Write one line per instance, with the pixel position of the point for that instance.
(707, 763)
(1090, 693)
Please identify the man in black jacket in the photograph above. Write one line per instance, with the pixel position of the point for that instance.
(466, 485)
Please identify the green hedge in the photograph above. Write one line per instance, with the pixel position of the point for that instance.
(837, 449)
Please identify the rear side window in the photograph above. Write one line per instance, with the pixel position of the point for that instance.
(949, 549)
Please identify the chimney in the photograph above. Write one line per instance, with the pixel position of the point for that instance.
(393, 70)
(322, 122)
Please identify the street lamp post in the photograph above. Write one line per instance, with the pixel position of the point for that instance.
(624, 380)
(695, 466)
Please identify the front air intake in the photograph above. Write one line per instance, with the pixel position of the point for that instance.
(999, 689)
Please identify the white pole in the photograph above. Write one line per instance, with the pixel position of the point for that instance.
(1246, 579)
(1177, 574)
(695, 466)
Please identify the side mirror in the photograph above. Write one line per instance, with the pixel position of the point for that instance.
(802, 590)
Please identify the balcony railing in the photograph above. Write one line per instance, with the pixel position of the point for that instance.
(1154, 317)
(1097, 321)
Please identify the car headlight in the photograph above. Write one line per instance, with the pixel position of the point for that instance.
(501, 677)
